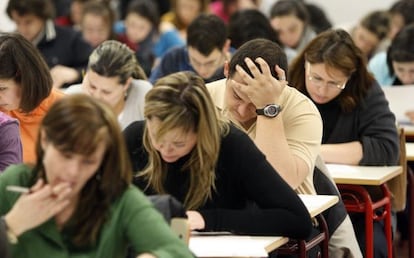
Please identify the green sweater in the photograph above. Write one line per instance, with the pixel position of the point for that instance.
(132, 221)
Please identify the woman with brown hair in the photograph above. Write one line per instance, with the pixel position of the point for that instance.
(26, 91)
(182, 13)
(78, 200)
(358, 126)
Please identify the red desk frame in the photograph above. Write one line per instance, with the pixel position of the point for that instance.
(357, 199)
(301, 247)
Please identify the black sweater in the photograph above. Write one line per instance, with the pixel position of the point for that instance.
(371, 122)
(243, 177)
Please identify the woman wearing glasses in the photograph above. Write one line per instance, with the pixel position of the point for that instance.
(358, 126)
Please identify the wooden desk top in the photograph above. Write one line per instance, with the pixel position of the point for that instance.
(363, 175)
(408, 130)
(317, 204)
(409, 151)
(235, 246)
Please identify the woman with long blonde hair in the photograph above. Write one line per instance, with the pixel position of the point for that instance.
(185, 149)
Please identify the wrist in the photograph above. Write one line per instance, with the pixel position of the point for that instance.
(270, 110)
(11, 236)
(11, 227)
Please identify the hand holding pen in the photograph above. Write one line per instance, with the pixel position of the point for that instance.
(42, 201)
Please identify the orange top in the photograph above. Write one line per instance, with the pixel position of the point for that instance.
(30, 122)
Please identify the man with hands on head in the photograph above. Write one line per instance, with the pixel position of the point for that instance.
(284, 124)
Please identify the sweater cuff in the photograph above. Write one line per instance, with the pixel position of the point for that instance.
(210, 219)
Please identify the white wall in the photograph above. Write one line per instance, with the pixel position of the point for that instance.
(350, 11)
(6, 24)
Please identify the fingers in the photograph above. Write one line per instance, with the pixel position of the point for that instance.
(58, 207)
(40, 191)
(61, 191)
(43, 202)
(264, 66)
(280, 73)
(255, 71)
(195, 220)
(37, 186)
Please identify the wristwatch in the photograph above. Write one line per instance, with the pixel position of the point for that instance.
(270, 110)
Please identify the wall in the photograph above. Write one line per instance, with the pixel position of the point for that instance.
(350, 11)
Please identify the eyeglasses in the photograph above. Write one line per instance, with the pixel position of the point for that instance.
(319, 82)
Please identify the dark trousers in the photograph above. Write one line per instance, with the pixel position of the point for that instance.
(380, 241)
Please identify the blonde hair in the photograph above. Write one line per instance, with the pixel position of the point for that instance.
(115, 59)
(181, 100)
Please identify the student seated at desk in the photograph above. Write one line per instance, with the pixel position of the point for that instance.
(291, 136)
(26, 88)
(395, 67)
(182, 13)
(145, 36)
(290, 19)
(185, 149)
(206, 51)
(81, 202)
(63, 49)
(115, 76)
(358, 126)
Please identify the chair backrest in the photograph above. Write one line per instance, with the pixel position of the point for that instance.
(398, 185)
(168, 206)
(174, 213)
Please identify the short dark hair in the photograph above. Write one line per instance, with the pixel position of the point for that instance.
(402, 47)
(43, 9)
(148, 9)
(290, 7)
(101, 9)
(206, 33)
(317, 18)
(270, 51)
(378, 23)
(405, 8)
(249, 24)
(22, 62)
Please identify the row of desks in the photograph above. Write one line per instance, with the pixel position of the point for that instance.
(254, 246)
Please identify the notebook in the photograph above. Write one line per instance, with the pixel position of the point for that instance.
(401, 99)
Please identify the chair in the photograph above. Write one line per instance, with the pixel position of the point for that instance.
(301, 248)
(174, 213)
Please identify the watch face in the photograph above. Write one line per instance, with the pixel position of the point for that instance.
(271, 110)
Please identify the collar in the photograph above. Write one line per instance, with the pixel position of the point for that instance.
(48, 32)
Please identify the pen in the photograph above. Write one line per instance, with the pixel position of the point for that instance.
(17, 189)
